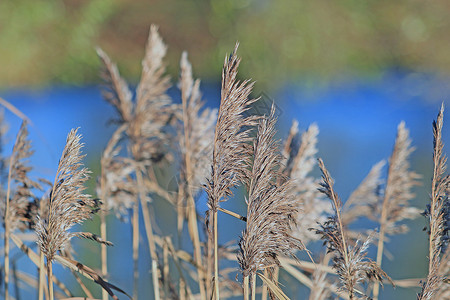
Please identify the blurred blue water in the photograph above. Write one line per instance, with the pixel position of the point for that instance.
(357, 121)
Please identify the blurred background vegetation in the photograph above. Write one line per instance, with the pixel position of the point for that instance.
(51, 41)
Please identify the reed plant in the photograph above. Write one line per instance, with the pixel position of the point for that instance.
(174, 151)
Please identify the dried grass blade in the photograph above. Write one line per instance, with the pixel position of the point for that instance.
(15, 110)
(91, 274)
(94, 237)
(273, 287)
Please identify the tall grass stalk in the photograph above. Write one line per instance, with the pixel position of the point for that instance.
(438, 214)
(190, 98)
(397, 192)
(7, 227)
(104, 251)
(230, 148)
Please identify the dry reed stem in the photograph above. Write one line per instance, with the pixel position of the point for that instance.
(135, 243)
(90, 274)
(196, 130)
(148, 230)
(17, 208)
(270, 207)
(273, 287)
(230, 146)
(67, 204)
(111, 171)
(438, 214)
(41, 275)
(397, 192)
(246, 288)
(50, 279)
(350, 262)
(104, 251)
(144, 120)
(38, 260)
(300, 153)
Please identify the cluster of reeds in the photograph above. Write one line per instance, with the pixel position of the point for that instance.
(211, 154)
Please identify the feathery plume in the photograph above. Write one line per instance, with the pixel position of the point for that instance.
(400, 180)
(197, 138)
(23, 201)
(119, 189)
(301, 159)
(115, 90)
(153, 109)
(438, 213)
(397, 193)
(350, 262)
(230, 152)
(271, 209)
(196, 143)
(146, 120)
(68, 205)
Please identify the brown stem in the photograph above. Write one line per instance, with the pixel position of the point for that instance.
(41, 275)
(104, 253)
(253, 280)
(149, 232)
(7, 226)
(135, 224)
(246, 288)
(50, 279)
(216, 259)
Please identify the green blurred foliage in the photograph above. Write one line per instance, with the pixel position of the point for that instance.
(50, 41)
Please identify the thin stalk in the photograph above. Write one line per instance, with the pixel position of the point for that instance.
(15, 280)
(7, 228)
(216, 259)
(380, 248)
(149, 232)
(265, 290)
(193, 232)
(246, 291)
(209, 264)
(50, 279)
(191, 210)
(6, 259)
(383, 219)
(166, 269)
(135, 224)
(155, 279)
(253, 280)
(182, 290)
(104, 253)
(82, 285)
(41, 275)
